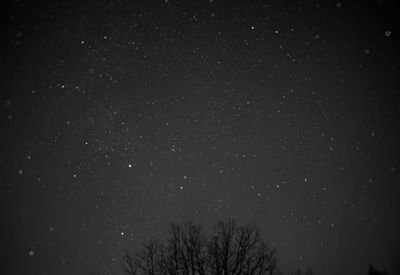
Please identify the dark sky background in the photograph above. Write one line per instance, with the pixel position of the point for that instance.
(119, 117)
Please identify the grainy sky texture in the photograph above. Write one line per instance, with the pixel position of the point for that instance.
(119, 117)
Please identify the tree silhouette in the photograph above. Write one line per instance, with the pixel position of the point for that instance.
(228, 250)
(373, 271)
(309, 271)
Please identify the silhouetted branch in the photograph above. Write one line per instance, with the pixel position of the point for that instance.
(229, 250)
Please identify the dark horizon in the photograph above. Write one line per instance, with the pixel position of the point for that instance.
(119, 117)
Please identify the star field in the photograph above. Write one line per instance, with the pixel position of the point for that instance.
(120, 117)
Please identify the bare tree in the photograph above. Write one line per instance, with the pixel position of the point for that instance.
(239, 250)
(146, 261)
(229, 250)
(129, 264)
(298, 271)
(185, 250)
(373, 271)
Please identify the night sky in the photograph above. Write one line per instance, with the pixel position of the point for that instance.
(120, 117)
